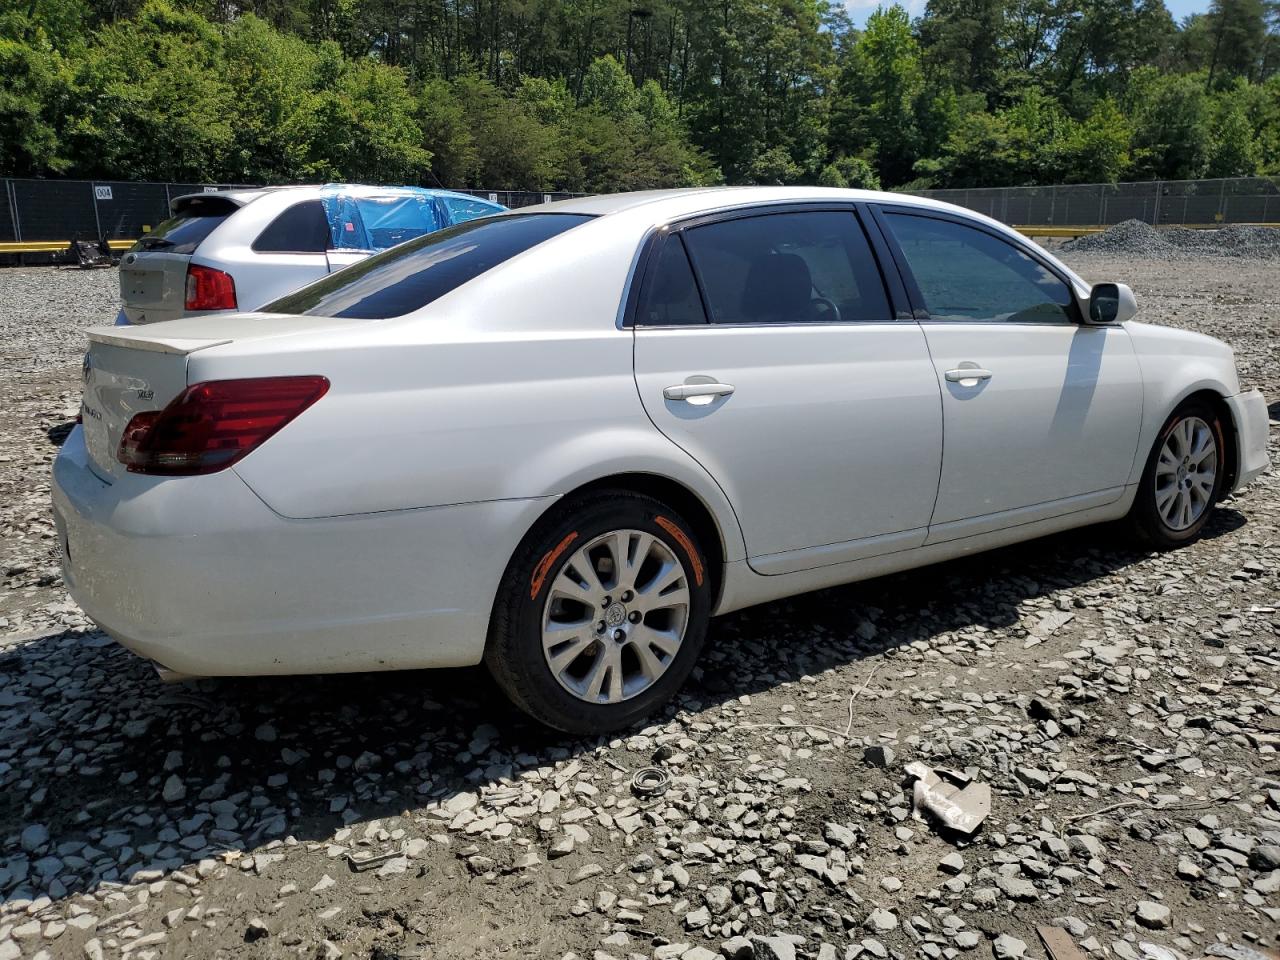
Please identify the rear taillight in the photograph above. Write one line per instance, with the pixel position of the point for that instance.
(210, 426)
(209, 289)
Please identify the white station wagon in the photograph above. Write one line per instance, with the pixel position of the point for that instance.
(558, 441)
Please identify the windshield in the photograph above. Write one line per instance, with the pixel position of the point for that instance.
(407, 277)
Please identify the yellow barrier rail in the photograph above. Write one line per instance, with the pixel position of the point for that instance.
(1081, 231)
(53, 246)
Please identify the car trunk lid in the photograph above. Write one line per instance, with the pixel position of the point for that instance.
(153, 286)
(125, 376)
(132, 370)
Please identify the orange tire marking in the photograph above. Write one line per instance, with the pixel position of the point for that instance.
(684, 541)
(544, 565)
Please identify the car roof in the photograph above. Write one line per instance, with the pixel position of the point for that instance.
(243, 195)
(667, 203)
(658, 207)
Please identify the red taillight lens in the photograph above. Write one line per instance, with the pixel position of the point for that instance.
(210, 426)
(209, 289)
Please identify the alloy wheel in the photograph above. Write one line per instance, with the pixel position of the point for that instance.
(615, 616)
(1185, 473)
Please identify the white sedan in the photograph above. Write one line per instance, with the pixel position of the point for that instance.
(558, 441)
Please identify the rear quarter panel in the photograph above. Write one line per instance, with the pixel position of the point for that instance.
(260, 277)
(518, 385)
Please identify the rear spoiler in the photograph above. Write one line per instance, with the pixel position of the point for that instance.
(180, 346)
(206, 204)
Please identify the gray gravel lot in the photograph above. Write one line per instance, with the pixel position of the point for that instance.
(1121, 705)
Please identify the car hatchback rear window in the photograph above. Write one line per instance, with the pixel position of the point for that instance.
(413, 274)
(186, 230)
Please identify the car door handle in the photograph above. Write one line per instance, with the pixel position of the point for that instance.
(961, 374)
(688, 391)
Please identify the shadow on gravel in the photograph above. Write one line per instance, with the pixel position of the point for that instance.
(58, 435)
(127, 774)
(1274, 410)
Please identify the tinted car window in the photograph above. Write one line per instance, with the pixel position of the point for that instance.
(302, 228)
(404, 278)
(670, 296)
(183, 232)
(788, 268)
(967, 274)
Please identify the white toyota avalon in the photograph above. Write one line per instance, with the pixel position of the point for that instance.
(559, 440)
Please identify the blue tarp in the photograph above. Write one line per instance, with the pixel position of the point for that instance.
(366, 218)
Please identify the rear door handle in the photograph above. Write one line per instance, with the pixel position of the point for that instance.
(688, 391)
(961, 374)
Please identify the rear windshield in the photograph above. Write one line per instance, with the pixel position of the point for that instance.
(407, 277)
(185, 231)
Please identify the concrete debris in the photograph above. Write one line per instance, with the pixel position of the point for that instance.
(948, 798)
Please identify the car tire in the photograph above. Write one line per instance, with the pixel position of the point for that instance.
(1157, 516)
(582, 640)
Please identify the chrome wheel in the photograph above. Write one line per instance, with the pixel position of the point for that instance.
(615, 616)
(1185, 473)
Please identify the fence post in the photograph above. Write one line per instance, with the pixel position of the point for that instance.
(11, 199)
(1222, 203)
(97, 221)
(1155, 213)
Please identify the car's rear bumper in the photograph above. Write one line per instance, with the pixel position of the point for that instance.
(198, 575)
(1252, 422)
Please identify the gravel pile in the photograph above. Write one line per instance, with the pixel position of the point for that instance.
(1135, 238)
(1123, 708)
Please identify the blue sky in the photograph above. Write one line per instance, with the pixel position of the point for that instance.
(861, 9)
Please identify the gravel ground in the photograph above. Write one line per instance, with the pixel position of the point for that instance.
(1134, 238)
(1122, 706)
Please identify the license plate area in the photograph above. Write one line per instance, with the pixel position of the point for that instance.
(141, 286)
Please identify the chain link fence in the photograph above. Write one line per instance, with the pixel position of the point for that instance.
(1168, 202)
(66, 210)
(38, 211)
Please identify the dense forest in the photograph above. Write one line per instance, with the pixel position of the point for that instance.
(601, 95)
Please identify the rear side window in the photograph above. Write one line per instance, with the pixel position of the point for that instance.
(187, 229)
(670, 296)
(462, 209)
(302, 228)
(964, 273)
(788, 268)
(407, 277)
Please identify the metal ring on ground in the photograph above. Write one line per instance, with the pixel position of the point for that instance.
(650, 782)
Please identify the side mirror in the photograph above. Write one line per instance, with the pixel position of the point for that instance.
(1111, 303)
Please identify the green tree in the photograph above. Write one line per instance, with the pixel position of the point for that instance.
(1234, 150)
(34, 91)
(1238, 29)
(878, 86)
(153, 102)
(962, 43)
(852, 172)
(1097, 149)
(1172, 125)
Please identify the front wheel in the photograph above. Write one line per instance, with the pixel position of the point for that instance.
(1183, 478)
(601, 614)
